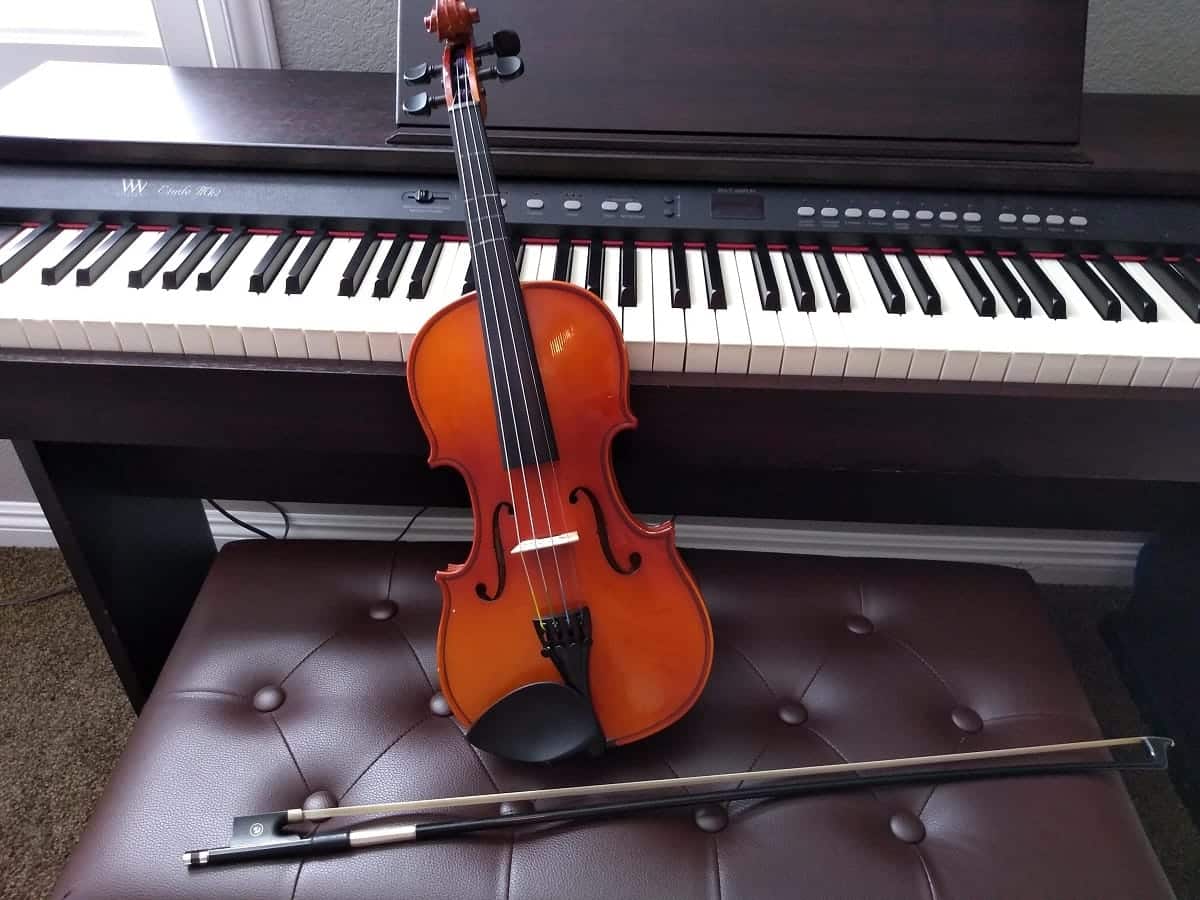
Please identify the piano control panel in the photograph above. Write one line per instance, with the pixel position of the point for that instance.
(652, 211)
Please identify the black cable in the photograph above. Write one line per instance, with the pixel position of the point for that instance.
(236, 521)
(420, 512)
(287, 522)
(50, 594)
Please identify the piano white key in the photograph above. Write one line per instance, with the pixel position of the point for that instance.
(255, 312)
(832, 346)
(610, 278)
(1038, 338)
(733, 331)
(637, 322)
(1133, 337)
(876, 337)
(170, 327)
(700, 322)
(960, 323)
(1172, 356)
(226, 305)
(766, 338)
(799, 346)
(1024, 356)
(545, 269)
(1083, 328)
(922, 332)
(331, 330)
(23, 318)
(443, 288)
(531, 260)
(577, 272)
(670, 332)
(462, 262)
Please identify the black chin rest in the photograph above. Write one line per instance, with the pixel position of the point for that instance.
(540, 722)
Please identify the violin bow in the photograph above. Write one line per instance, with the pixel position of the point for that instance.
(263, 836)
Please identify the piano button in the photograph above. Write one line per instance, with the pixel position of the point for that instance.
(1031, 219)
(147, 266)
(1047, 296)
(877, 214)
(927, 297)
(180, 268)
(885, 282)
(637, 318)
(669, 329)
(766, 340)
(1179, 289)
(423, 268)
(681, 297)
(629, 281)
(700, 320)
(1055, 220)
(764, 277)
(799, 347)
(220, 258)
(835, 283)
(1007, 218)
(1014, 296)
(562, 260)
(1121, 283)
(977, 292)
(972, 218)
(272, 262)
(1104, 301)
(389, 270)
(595, 270)
(831, 347)
(79, 247)
(733, 331)
(853, 213)
(901, 215)
(19, 250)
(579, 265)
(610, 280)
(924, 215)
(306, 263)
(360, 262)
(797, 280)
(714, 277)
(806, 212)
(105, 254)
(948, 216)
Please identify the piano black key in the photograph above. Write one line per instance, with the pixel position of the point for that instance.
(681, 295)
(975, 288)
(1044, 291)
(835, 282)
(628, 293)
(885, 282)
(156, 257)
(1007, 287)
(306, 263)
(83, 244)
(389, 270)
(927, 296)
(220, 258)
(271, 264)
(1132, 294)
(422, 273)
(1189, 269)
(20, 250)
(518, 252)
(595, 267)
(562, 260)
(1105, 302)
(116, 243)
(712, 274)
(1185, 295)
(764, 275)
(196, 249)
(356, 268)
(802, 288)
(469, 279)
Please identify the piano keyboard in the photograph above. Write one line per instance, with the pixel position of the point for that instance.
(812, 309)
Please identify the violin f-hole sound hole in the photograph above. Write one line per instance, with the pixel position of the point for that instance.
(498, 548)
(635, 558)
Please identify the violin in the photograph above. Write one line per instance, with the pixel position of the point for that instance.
(571, 627)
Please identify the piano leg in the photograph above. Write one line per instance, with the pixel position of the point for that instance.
(1154, 641)
(138, 561)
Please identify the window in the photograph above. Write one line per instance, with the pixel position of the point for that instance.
(175, 32)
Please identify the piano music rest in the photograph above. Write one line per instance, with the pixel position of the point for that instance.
(305, 675)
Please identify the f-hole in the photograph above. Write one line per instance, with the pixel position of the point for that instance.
(635, 558)
(481, 590)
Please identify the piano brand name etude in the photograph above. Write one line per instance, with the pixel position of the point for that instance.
(140, 186)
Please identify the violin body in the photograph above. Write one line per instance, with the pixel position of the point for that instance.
(651, 641)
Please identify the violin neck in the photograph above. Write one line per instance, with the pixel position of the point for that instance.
(526, 435)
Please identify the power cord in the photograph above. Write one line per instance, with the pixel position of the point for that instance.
(60, 591)
(420, 512)
(287, 522)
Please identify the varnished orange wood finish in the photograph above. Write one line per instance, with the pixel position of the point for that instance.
(652, 639)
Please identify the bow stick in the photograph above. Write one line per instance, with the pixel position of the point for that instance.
(262, 836)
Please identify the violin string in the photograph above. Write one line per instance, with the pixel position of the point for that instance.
(555, 484)
(483, 268)
(479, 156)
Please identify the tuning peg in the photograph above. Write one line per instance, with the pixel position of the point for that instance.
(423, 103)
(503, 43)
(505, 68)
(421, 73)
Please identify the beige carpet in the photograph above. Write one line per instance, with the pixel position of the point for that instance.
(64, 721)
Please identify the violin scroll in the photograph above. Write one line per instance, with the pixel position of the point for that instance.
(451, 21)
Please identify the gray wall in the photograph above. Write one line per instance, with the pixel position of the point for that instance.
(1134, 46)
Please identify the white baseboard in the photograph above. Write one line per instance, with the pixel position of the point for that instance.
(1051, 557)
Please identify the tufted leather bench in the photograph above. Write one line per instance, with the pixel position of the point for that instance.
(305, 674)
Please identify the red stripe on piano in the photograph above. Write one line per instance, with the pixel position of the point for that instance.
(614, 243)
(774, 247)
(653, 244)
(808, 248)
(892, 251)
(1046, 254)
(455, 238)
(72, 226)
(694, 245)
(1089, 256)
(974, 252)
(932, 251)
(577, 242)
(387, 235)
(853, 248)
(305, 232)
(1134, 259)
(347, 234)
(544, 242)
(263, 230)
(726, 245)
(154, 227)
(1172, 259)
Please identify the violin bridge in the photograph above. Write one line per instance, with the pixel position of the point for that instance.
(555, 540)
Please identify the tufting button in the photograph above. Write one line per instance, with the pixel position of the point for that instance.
(966, 719)
(792, 712)
(269, 698)
(907, 827)
(516, 808)
(382, 610)
(859, 624)
(711, 818)
(319, 800)
(438, 705)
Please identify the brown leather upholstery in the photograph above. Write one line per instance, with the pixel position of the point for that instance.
(308, 669)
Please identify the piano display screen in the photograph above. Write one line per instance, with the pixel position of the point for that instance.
(737, 206)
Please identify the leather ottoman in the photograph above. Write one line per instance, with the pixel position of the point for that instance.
(305, 674)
